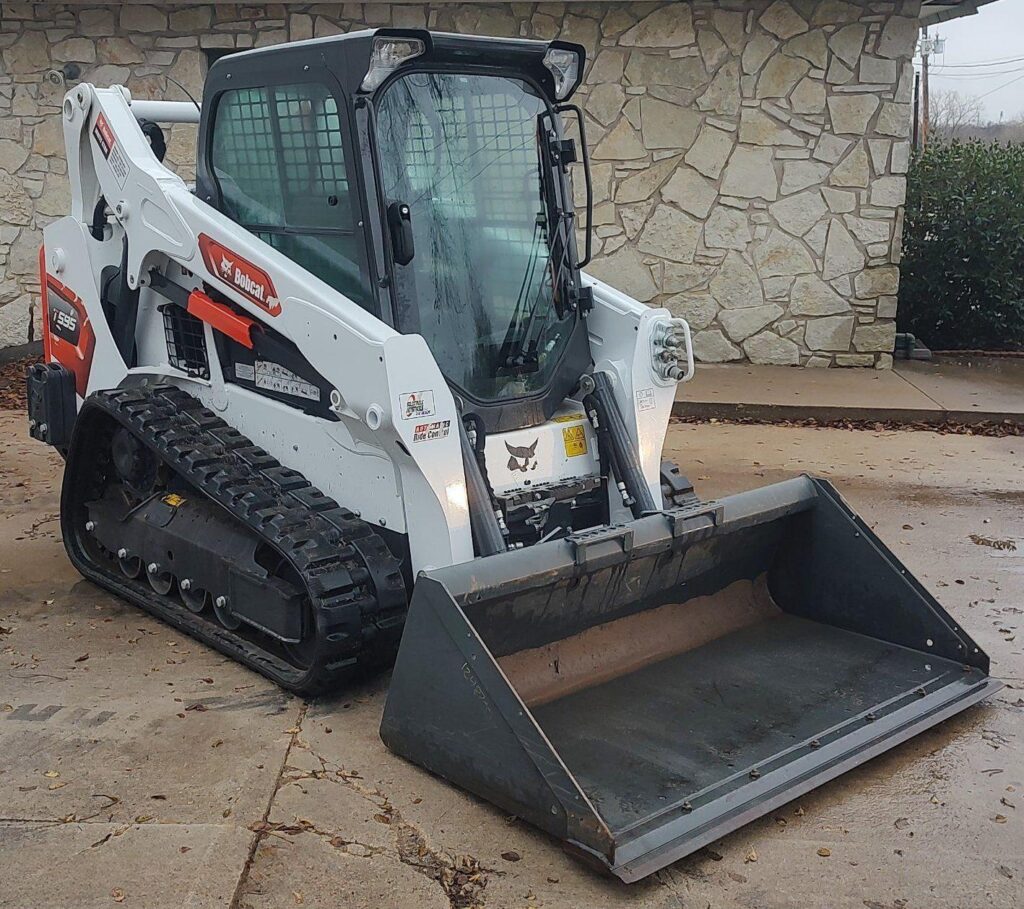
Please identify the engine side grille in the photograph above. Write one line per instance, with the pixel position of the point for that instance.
(186, 342)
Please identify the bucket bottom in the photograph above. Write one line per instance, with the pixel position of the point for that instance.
(695, 725)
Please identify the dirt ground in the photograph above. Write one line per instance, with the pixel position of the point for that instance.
(139, 768)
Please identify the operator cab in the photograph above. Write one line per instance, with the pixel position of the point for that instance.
(424, 176)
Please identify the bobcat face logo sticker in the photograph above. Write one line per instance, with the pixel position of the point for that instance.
(251, 281)
(524, 457)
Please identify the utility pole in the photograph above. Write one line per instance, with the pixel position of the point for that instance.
(925, 103)
(929, 46)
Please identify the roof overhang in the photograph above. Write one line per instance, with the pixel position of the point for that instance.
(935, 11)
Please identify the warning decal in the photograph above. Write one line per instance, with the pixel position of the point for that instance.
(426, 432)
(575, 440)
(104, 136)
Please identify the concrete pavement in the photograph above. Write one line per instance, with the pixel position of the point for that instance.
(965, 389)
(138, 768)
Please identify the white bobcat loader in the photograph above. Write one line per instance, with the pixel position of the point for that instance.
(352, 396)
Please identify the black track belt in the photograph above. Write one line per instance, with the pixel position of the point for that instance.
(353, 581)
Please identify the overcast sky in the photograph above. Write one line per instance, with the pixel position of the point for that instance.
(996, 33)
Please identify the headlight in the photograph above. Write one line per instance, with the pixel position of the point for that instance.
(387, 55)
(564, 65)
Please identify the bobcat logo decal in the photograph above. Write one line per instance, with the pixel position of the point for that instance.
(524, 457)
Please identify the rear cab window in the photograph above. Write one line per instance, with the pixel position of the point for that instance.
(278, 154)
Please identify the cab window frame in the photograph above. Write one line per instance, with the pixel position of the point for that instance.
(356, 203)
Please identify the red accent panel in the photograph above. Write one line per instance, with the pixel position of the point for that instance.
(221, 317)
(251, 281)
(68, 336)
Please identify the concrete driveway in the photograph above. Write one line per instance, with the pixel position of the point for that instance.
(138, 768)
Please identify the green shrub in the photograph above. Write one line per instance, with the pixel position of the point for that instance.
(962, 274)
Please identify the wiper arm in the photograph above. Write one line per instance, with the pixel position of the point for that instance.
(519, 349)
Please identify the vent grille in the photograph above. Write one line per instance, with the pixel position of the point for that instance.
(186, 342)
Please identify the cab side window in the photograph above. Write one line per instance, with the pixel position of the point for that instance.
(279, 158)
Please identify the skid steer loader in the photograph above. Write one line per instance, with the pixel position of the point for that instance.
(355, 381)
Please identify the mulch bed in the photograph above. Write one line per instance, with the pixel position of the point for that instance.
(12, 383)
(946, 428)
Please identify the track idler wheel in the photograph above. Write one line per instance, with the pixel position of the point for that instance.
(131, 566)
(160, 580)
(194, 598)
(222, 609)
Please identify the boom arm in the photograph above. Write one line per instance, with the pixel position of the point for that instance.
(372, 368)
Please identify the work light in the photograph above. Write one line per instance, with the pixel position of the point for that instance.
(387, 55)
(564, 65)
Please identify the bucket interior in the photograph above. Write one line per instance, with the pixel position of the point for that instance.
(668, 680)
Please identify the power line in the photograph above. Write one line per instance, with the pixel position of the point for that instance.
(1000, 87)
(975, 76)
(983, 63)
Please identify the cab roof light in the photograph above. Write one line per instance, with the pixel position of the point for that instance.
(564, 65)
(387, 55)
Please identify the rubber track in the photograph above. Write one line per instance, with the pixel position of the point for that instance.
(353, 581)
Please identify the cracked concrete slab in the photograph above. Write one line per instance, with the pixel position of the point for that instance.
(319, 813)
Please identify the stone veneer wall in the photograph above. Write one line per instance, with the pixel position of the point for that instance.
(748, 155)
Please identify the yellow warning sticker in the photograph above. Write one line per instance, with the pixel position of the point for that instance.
(569, 418)
(173, 499)
(575, 439)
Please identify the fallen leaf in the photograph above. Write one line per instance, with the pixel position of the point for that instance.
(198, 708)
(1000, 818)
(298, 897)
(82, 658)
(751, 856)
(218, 743)
(184, 849)
(226, 812)
(208, 681)
(118, 894)
(59, 785)
(52, 774)
(142, 818)
(824, 852)
(160, 798)
(511, 856)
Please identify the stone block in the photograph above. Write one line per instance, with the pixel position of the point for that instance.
(808, 97)
(812, 46)
(894, 120)
(735, 285)
(757, 128)
(898, 38)
(853, 170)
(769, 349)
(781, 254)
(678, 277)
(851, 114)
(644, 69)
(889, 192)
(829, 333)
(756, 51)
(782, 20)
(811, 296)
(723, 94)
(742, 323)
(798, 213)
(727, 229)
(641, 185)
(711, 346)
(855, 360)
(830, 148)
(798, 175)
(626, 271)
(622, 142)
(780, 76)
(698, 310)
(878, 337)
(874, 282)
(869, 230)
(141, 17)
(667, 125)
(750, 174)
(16, 322)
(670, 234)
(690, 191)
(842, 255)
(873, 69)
(669, 26)
(847, 44)
(710, 152)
